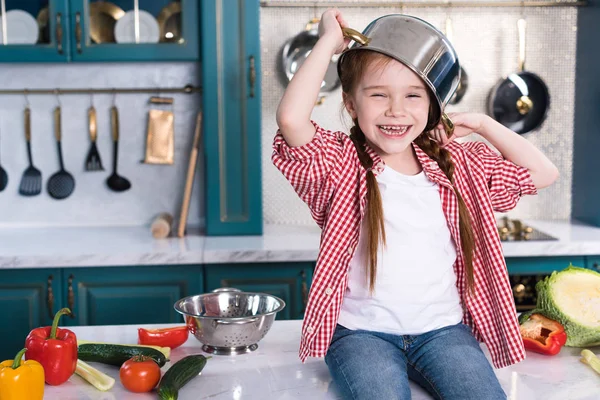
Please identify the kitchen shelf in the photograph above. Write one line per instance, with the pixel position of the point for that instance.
(428, 4)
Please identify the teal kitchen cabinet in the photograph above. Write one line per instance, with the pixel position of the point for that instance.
(27, 20)
(541, 265)
(592, 262)
(288, 281)
(128, 295)
(28, 299)
(95, 31)
(231, 102)
(167, 30)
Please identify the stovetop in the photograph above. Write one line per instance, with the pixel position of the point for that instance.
(516, 231)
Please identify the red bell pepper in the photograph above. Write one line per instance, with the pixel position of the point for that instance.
(55, 349)
(543, 335)
(166, 337)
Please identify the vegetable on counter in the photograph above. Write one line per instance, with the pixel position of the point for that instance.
(543, 335)
(590, 359)
(139, 374)
(572, 298)
(179, 374)
(21, 380)
(117, 354)
(98, 379)
(166, 337)
(55, 349)
(165, 350)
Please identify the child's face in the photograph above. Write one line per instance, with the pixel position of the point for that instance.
(391, 104)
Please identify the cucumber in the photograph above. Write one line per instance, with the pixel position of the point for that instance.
(179, 374)
(165, 350)
(117, 354)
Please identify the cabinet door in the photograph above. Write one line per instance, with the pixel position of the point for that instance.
(159, 30)
(231, 104)
(129, 295)
(288, 281)
(592, 262)
(541, 265)
(28, 299)
(36, 31)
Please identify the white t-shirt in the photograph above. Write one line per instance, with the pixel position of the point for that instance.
(415, 289)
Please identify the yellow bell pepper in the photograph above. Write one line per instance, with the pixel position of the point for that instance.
(21, 380)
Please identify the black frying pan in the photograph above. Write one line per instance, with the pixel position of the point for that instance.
(521, 100)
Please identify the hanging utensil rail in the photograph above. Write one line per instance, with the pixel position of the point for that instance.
(188, 89)
(428, 4)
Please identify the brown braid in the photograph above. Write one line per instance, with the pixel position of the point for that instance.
(374, 213)
(467, 239)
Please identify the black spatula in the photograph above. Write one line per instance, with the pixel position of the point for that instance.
(31, 182)
(61, 184)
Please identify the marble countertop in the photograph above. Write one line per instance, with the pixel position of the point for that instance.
(120, 246)
(274, 371)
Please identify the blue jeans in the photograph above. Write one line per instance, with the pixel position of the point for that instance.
(447, 362)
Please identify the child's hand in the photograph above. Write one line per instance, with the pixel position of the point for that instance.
(330, 26)
(464, 124)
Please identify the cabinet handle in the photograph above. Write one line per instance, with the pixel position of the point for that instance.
(59, 33)
(50, 298)
(252, 76)
(304, 290)
(78, 31)
(71, 296)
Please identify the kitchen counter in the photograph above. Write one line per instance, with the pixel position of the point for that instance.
(122, 246)
(274, 371)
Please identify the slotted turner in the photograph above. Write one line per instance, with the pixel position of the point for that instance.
(93, 162)
(61, 184)
(31, 181)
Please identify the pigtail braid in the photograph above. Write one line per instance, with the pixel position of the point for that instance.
(467, 239)
(374, 213)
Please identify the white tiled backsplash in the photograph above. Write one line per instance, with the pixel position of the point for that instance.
(155, 188)
(486, 42)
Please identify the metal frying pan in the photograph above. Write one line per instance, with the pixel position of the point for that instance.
(521, 100)
(463, 83)
(295, 51)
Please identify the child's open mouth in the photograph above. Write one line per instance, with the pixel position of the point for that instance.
(394, 131)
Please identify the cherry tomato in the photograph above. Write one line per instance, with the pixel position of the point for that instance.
(139, 374)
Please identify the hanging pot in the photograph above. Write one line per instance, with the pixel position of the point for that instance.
(521, 100)
(295, 51)
(419, 46)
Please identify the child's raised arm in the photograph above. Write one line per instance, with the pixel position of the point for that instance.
(295, 107)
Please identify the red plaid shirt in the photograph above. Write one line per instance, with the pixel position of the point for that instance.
(327, 175)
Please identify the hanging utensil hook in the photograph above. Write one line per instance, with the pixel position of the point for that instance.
(114, 97)
(26, 94)
(57, 94)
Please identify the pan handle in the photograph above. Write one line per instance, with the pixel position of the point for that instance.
(448, 125)
(522, 27)
(356, 36)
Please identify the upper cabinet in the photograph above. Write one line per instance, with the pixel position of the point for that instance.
(34, 31)
(92, 30)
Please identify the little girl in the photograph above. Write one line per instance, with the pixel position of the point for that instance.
(410, 273)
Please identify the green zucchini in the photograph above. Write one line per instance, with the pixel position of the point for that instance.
(117, 354)
(179, 374)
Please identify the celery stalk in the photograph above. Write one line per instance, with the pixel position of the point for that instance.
(590, 359)
(98, 379)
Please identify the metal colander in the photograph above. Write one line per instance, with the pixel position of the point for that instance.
(229, 321)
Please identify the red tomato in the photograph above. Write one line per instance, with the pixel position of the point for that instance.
(139, 374)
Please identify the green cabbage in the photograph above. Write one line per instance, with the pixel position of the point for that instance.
(572, 297)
